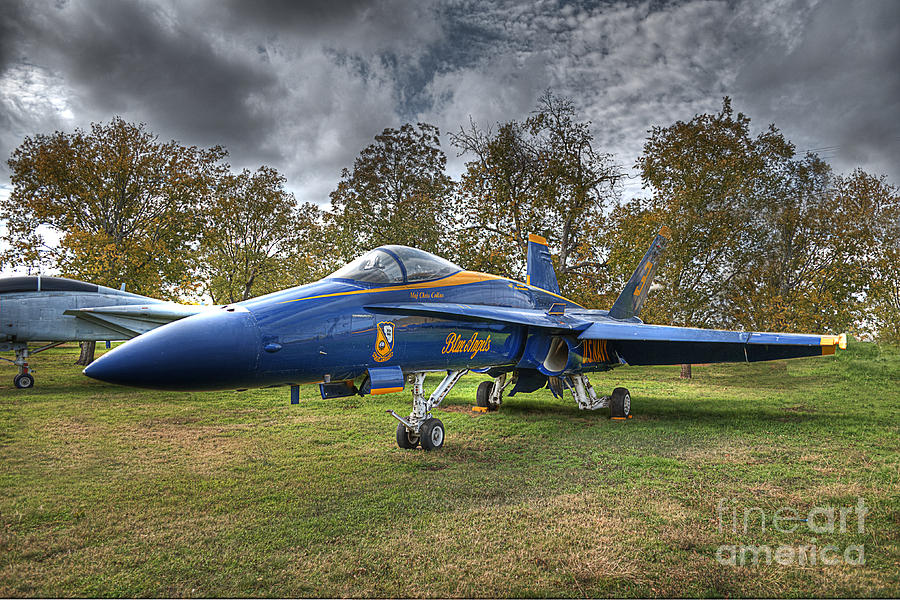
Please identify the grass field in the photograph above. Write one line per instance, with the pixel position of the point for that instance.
(108, 491)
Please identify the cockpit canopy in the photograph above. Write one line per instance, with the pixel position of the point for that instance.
(393, 265)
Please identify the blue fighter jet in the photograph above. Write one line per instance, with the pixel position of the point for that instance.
(396, 313)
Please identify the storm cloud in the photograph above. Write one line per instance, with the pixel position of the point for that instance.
(303, 86)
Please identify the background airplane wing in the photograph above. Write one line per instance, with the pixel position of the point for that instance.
(640, 344)
(131, 320)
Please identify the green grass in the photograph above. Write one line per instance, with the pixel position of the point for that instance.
(107, 491)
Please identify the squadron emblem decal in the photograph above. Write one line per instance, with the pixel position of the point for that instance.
(384, 341)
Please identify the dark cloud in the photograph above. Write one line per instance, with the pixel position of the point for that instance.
(12, 27)
(304, 86)
(835, 84)
(303, 17)
(135, 59)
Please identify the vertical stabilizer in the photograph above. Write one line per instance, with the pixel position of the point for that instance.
(630, 301)
(540, 266)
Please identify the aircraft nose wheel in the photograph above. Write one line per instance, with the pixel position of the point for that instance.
(24, 381)
(405, 438)
(620, 404)
(432, 434)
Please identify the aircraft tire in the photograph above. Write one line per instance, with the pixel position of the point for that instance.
(483, 394)
(23, 381)
(620, 404)
(404, 439)
(431, 434)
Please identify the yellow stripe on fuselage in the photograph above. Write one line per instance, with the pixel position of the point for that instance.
(391, 390)
(461, 278)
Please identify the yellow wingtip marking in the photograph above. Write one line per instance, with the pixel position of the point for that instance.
(537, 239)
(830, 342)
(665, 232)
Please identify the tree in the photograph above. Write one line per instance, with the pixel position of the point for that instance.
(867, 225)
(763, 239)
(703, 174)
(499, 195)
(791, 247)
(122, 203)
(581, 185)
(252, 236)
(397, 193)
(885, 294)
(541, 176)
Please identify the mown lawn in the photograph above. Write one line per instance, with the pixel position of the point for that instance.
(107, 491)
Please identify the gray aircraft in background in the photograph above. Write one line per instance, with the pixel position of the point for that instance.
(53, 310)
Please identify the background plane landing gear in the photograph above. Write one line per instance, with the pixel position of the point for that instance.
(25, 378)
(23, 381)
(420, 428)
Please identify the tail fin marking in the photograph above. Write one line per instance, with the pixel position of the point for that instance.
(540, 272)
(632, 298)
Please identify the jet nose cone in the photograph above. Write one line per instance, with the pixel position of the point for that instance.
(214, 350)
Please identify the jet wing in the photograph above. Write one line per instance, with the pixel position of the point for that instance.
(482, 312)
(640, 344)
(637, 343)
(131, 320)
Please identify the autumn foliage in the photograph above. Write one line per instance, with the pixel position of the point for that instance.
(763, 237)
(122, 203)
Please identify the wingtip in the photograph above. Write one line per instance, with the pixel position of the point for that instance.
(830, 342)
(537, 239)
(665, 232)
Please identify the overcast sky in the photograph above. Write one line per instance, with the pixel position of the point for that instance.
(304, 85)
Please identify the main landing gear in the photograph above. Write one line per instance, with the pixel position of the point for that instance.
(420, 428)
(489, 394)
(619, 403)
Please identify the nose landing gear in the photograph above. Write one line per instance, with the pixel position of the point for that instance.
(420, 428)
(25, 377)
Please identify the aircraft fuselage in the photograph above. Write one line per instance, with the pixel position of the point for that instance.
(323, 331)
